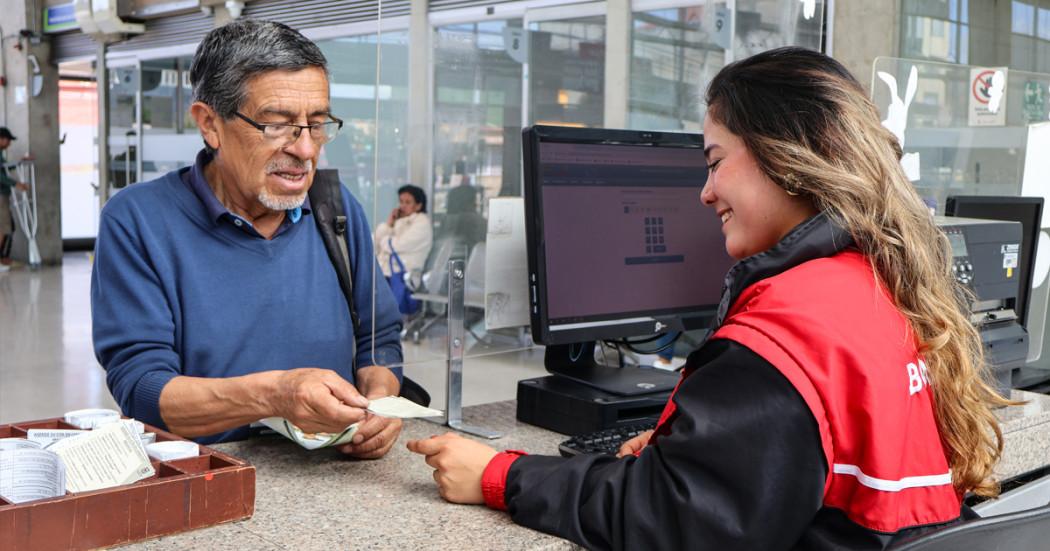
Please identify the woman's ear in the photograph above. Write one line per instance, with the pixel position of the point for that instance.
(209, 123)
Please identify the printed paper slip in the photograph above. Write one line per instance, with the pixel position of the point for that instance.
(310, 440)
(46, 437)
(396, 406)
(30, 474)
(105, 457)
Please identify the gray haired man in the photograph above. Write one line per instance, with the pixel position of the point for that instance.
(214, 302)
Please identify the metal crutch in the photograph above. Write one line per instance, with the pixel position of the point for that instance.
(23, 206)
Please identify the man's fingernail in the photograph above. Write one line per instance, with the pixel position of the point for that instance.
(358, 439)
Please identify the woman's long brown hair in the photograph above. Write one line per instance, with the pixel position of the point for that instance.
(813, 131)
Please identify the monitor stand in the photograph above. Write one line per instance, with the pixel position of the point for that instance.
(576, 363)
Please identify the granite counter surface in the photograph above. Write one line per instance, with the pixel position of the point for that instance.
(322, 500)
(1026, 435)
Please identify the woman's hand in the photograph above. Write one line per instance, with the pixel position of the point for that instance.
(394, 215)
(634, 445)
(458, 465)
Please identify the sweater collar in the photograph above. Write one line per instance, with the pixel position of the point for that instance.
(817, 237)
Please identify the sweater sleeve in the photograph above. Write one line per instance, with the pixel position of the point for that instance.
(132, 321)
(742, 468)
(378, 338)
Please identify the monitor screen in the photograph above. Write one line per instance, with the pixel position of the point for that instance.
(620, 242)
(1026, 210)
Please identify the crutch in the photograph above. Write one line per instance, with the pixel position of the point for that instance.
(23, 206)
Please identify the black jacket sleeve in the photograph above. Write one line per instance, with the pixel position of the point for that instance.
(742, 468)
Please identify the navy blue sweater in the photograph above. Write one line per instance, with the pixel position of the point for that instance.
(177, 292)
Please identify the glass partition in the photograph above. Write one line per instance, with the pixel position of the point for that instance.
(965, 130)
(955, 150)
(369, 151)
(459, 137)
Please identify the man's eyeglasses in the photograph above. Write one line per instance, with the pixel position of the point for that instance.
(284, 134)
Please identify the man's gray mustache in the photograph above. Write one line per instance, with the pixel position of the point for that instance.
(296, 164)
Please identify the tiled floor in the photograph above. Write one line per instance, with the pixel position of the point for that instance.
(47, 365)
(46, 362)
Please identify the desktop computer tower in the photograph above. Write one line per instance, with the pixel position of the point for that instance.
(562, 405)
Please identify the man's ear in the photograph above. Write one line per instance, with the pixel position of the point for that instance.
(209, 122)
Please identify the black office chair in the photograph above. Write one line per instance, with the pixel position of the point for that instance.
(1026, 530)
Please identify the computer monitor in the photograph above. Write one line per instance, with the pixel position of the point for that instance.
(1026, 210)
(619, 244)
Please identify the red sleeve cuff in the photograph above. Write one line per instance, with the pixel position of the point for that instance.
(494, 479)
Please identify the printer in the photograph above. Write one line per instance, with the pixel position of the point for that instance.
(985, 256)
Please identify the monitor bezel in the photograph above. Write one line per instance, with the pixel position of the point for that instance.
(951, 205)
(649, 322)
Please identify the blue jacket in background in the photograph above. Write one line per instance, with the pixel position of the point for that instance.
(177, 292)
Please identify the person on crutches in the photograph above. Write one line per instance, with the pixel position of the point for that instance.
(6, 185)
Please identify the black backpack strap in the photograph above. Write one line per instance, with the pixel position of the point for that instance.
(326, 200)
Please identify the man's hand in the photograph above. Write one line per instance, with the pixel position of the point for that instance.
(634, 445)
(317, 400)
(458, 465)
(376, 435)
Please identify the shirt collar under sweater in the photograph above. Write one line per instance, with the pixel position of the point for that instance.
(217, 212)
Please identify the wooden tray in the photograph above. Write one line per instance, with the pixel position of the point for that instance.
(182, 495)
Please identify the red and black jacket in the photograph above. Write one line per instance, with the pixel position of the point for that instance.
(801, 373)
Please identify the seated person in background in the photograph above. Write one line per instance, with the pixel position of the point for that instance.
(407, 231)
(462, 221)
(214, 302)
(840, 402)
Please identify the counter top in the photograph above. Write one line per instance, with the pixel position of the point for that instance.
(322, 500)
(1026, 434)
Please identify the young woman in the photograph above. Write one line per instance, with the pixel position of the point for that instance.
(840, 401)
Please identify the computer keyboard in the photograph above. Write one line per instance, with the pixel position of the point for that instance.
(603, 441)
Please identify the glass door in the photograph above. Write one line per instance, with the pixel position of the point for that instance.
(566, 84)
(125, 128)
(169, 139)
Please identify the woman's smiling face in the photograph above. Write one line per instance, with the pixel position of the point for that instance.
(756, 213)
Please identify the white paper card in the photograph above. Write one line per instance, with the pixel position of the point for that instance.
(172, 450)
(396, 406)
(310, 440)
(18, 444)
(46, 437)
(91, 418)
(506, 289)
(29, 474)
(105, 457)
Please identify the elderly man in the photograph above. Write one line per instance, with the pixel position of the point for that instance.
(214, 302)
